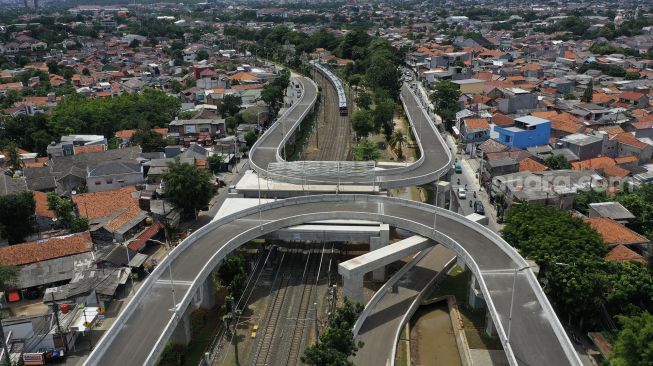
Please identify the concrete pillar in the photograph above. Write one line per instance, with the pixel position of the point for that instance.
(444, 189)
(354, 288)
(182, 334)
(379, 242)
(490, 329)
(475, 296)
(208, 294)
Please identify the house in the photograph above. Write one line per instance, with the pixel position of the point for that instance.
(628, 144)
(470, 86)
(614, 234)
(113, 215)
(69, 173)
(611, 210)
(555, 188)
(621, 253)
(11, 185)
(528, 131)
(503, 162)
(583, 146)
(514, 100)
(272, 12)
(112, 175)
(196, 130)
(643, 129)
(634, 99)
(48, 261)
(70, 144)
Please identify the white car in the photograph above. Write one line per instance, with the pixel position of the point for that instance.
(462, 193)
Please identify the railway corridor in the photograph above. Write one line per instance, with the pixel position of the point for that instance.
(333, 139)
(297, 281)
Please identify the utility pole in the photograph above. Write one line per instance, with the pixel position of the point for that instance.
(55, 310)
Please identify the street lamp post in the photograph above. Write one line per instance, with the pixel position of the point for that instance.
(512, 300)
(435, 207)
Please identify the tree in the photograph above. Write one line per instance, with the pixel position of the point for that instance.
(362, 123)
(250, 138)
(364, 100)
(397, 141)
(79, 224)
(588, 93)
(582, 199)
(640, 203)
(187, 186)
(16, 211)
(8, 275)
(336, 344)
(634, 345)
(215, 162)
(231, 105)
(445, 100)
(366, 150)
(272, 95)
(201, 55)
(557, 162)
(149, 140)
(382, 115)
(13, 156)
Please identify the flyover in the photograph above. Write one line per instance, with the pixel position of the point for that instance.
(536, 336)
(143, 328)
(435, 159)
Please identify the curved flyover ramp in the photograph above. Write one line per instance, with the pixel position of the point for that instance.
(435, 159)
(141, 331)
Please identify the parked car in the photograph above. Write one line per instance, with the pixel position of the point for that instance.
(479, 208)
(462, 193)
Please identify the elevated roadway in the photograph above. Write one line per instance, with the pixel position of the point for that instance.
(435, 159)
(142, 330)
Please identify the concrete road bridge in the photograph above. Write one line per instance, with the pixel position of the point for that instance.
(160, 308)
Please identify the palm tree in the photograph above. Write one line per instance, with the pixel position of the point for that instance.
(397, 141)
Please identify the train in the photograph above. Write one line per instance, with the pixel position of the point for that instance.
(342, 98)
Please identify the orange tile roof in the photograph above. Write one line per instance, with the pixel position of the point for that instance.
(594, 163)
(643, 125)
(626, 159)
(615, 171)
(565, 126)
(125, 134)
(476, 123)
(630, 95)
(602, 98)
(628, 139)
(545, 114)
(88, 149)
(243, 76)
(530, 165)
(102, 204)
(614, 233)
(57, 247)
(247, 86)
(621, 253)
(41, 200)
(532, 67)
(38, 163)
(501, 119)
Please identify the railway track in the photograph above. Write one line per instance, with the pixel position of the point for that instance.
(310, 279)
(335, 132)
(263, 355)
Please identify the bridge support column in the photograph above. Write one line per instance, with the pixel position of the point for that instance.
(354, 288)
(474, 295)
(181, 334)
(490, 329)
(378, 242)
(208, 294)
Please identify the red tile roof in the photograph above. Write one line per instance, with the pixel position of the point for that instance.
(501, 119)
(41, 200)
(102, 204)
(614, 233)
(530, 165)
(594, 163)
(621, 253)
(57, 247)
(88, 149)
(476, 123)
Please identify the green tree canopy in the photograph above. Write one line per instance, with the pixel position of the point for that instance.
(557, 162)
(366, 150)
(149, 140)
(8, 275)
(634, 345)
(364, 100)
(16, 211)
(231, 105)
(588, 94)
(583, 199)
(362, 123)
(187, 186)
(445, 100)
(382, 115)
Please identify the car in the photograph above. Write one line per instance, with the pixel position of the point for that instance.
(457, 168)
(462, 193)
(479, 208)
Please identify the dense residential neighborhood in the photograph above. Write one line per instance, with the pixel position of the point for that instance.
(124, 129)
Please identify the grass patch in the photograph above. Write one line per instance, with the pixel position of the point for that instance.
(456, 284)
(401, 358)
